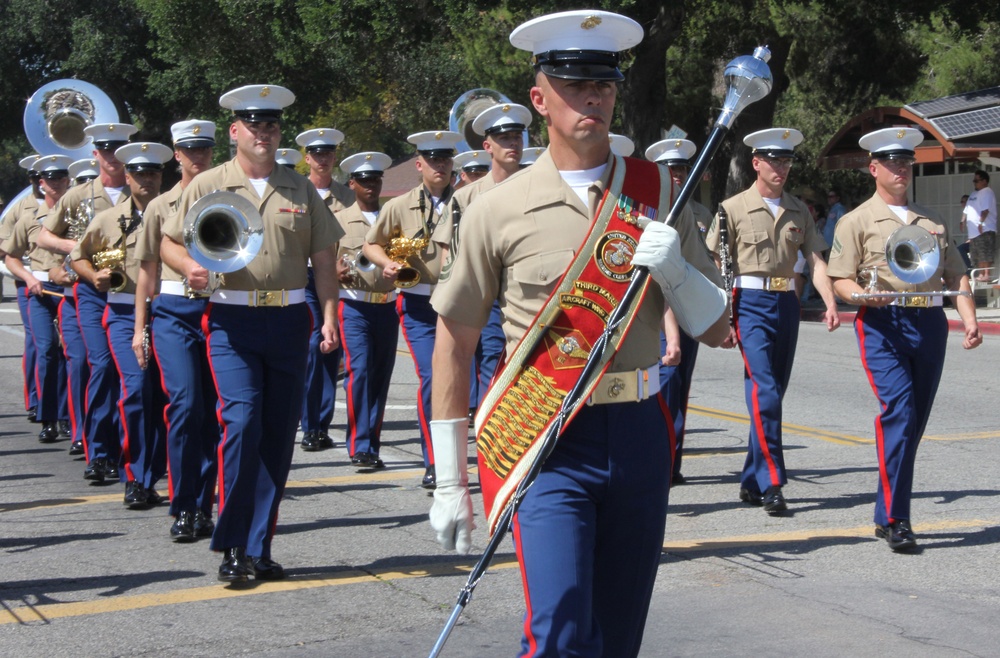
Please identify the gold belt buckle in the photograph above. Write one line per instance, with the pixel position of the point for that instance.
(919, 302)
(777, 284)
(267, 298)
(378, 297)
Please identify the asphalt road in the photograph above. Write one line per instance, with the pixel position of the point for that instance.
(81, 575)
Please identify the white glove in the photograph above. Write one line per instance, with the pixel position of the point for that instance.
(451, 513)
(696, 301)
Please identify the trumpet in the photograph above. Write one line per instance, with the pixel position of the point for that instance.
(399, 250)
(355, 264)
(913, 256)
(114, 260)
(223, 232)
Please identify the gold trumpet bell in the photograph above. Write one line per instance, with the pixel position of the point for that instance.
(114, 260)
(399, 250)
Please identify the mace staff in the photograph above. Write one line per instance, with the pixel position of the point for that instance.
(748, 79)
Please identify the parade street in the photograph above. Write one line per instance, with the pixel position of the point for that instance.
(82, 575)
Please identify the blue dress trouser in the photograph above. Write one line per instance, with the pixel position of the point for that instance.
(190, 415)
(321, 371)
(257, 357)
(902, 351)
(50, 364)
(589, 532)
(767, 328)
(369, 333)
(101, 424)
(140, 404)
(488, 352)
(77, 370)
(675, 386)
(419, 322)
(28, 360)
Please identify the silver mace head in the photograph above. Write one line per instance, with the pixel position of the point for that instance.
(748, 79)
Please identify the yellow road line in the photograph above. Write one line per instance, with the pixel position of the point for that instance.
(802, 430)
(772, 541)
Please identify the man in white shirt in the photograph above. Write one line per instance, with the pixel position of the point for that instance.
(981, 218)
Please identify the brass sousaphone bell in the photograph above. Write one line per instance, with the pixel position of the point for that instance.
(465, 110)
(913, 256)
(223, 232)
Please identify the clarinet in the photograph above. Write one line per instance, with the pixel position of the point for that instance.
(725, 257)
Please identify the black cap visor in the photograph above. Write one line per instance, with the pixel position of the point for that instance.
(321, 148)
(258, 116)
(143, 166)
(438, 153)
(367, 175)
(774, 153)
(579, 64)
(53, 174)
(476, 168)
(898, 154)
(106, 145)
(195, 143)
(506, 128)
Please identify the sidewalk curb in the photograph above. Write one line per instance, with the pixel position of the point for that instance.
(987, 327)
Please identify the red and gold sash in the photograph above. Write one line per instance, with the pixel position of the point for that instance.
(528, 391)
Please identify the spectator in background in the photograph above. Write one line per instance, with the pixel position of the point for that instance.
(981, 213)
(964, 247)
(837, 211)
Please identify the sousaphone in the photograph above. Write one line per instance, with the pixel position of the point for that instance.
(58, 112)
(465, 110)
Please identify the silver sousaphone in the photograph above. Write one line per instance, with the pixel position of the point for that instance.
(913, 256)
(223, 232)
(465, 110)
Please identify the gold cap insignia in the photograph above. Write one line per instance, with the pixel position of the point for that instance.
(93, 163)
(590, 22)
(111, 128)
(506, 108)
(144, 147)
(266, 91)
(900, 134)
(52, 158)
(677, 144)
(786, 134)
(196, 130)
(438, 135)
(475, 154)
(284, 152)
(368, 157)
(322, 132)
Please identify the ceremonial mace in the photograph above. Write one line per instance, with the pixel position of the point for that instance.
(748, 79)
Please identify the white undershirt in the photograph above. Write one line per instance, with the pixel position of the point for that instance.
(370, 215)
(900, 212)
(324, 192)
(580, 180)
(114, 193)
(773, 204)
(259, 184)
(437, 205)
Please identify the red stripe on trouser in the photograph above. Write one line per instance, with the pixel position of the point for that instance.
(69, 380)
(883, 472)
(532, 641)
(352, 421)
(122, 394)
(421, 412)
(669, 419)
(86, 389)
(166, 407)
(218, 408)
(758, 423)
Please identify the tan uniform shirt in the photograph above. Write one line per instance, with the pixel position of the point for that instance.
(762, 244)
(69, 205)
(355, 228)
(461, 200)
(859, 243)
(702, 215)
(105, 232)
(28, 203)
(24, 237)
(157, 212)
(296, 224)
(339, 198)
(517, 241)
(403, 216)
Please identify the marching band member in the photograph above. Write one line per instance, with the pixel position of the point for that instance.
(470, 166)
(767, 228)
(417, 217)
(101, 430)
(675, 378)
(369, 327)
(27, 204)
(258, 326)
(178, 342)
(321, 369)
(587, 547)
(902, 340)
(288, 157)
(117, 231)
(43, 296)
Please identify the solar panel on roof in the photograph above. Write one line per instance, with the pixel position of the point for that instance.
(967, 124)
(957, 103)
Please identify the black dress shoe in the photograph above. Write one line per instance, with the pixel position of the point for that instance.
(310, 441)
(49, 433)
(430, 479)
(64, 429)
(182, 531)
(678, 479)
(31, 415)
(774, 501)
(751, 497)
(76, 448)
(111, 470)
(264, 568)
(236, 566)
(135, 495)
(203, 525)
(361, 459)
(152, 497)
(96, 470)
(898, 534)
(325, 442)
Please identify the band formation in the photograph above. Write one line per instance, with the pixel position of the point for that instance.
(180, 338)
